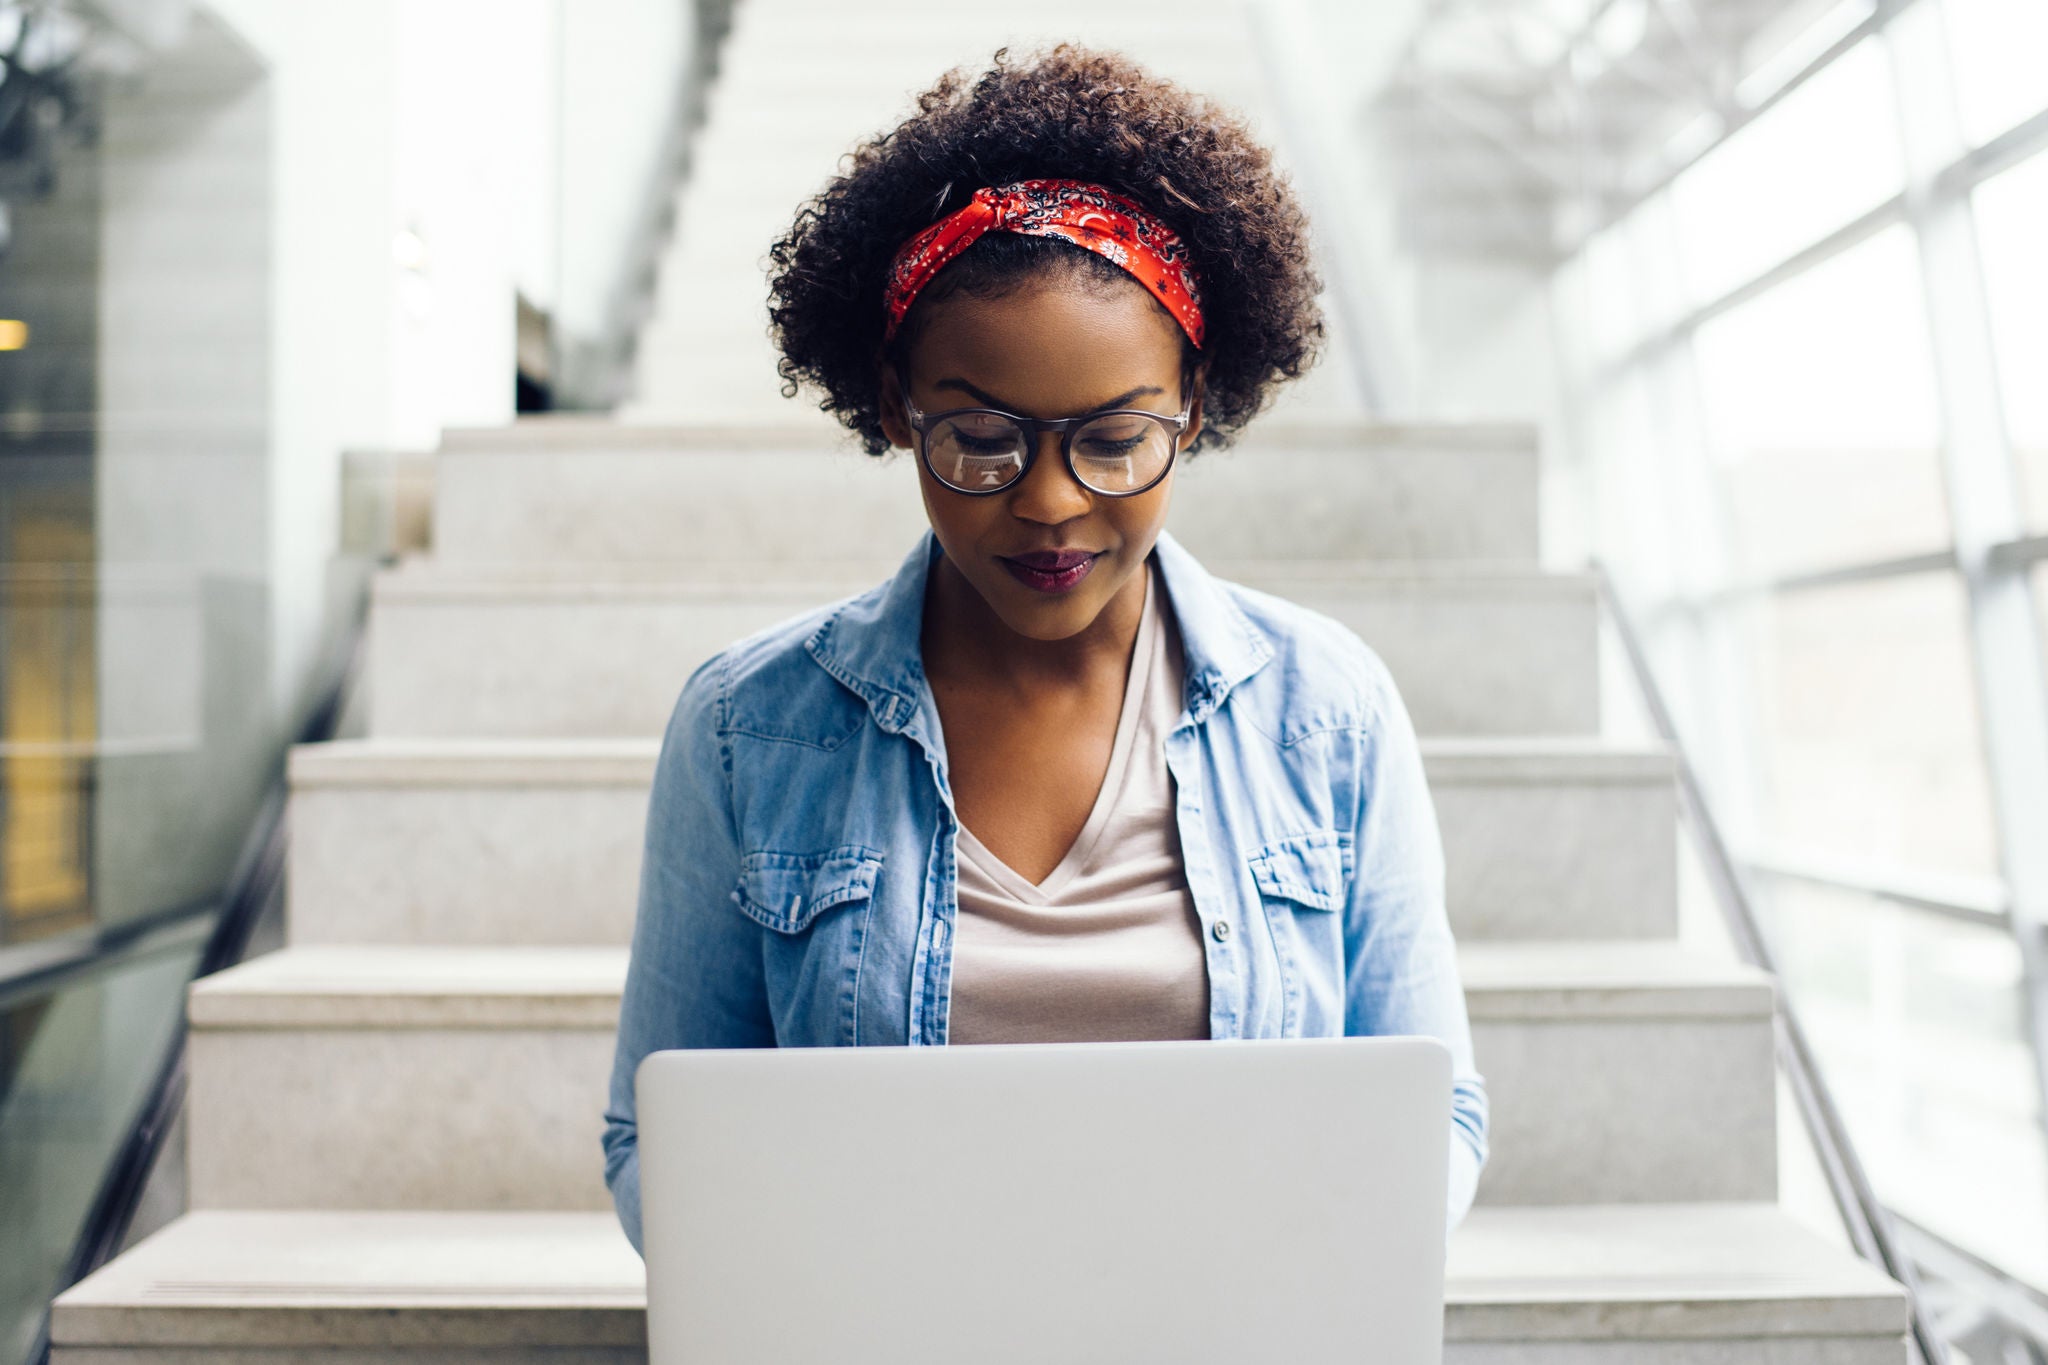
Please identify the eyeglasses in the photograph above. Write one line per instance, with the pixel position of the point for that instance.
(1118, 453)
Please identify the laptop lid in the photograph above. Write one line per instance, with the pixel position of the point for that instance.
(1117, 1202)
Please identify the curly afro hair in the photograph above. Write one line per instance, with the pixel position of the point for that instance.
(1073, 113)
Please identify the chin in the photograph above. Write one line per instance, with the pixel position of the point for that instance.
(1042, 617)
(1048, 620)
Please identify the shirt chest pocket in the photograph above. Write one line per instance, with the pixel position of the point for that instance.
(1308, 871)
(787, 892)
(1302, 882)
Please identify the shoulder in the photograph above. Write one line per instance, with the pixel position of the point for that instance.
(768, 686)
(1321, 675)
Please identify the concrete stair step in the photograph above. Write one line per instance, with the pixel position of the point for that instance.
(595, 492)
(1673, 1284)
(1593, 1051)
(447, 1078)
(1556, 838)
(476, 654)
(467, 841)
(559, 650)
(351, 1288)
(402, 1078)
(539, 841)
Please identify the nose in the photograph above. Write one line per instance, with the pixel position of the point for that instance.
(1049, 493)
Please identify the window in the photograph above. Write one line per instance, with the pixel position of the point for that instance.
(1823, 156)
(1769, 463)
(1868, 740)
(1918, 1025)
(1996, 46)
(1821, 403)
(2012, 224)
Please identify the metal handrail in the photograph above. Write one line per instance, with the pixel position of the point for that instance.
(254, 886)
(2002, 1296)
(43, 967)
(1870, 1225)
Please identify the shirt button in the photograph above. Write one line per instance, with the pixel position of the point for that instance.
(1220, 930)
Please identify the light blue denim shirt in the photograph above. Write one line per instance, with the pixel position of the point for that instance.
(799, 876)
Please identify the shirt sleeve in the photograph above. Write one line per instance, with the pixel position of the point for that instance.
(1401, 965)
(694, 978)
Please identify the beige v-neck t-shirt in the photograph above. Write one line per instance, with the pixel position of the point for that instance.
(1108, 946)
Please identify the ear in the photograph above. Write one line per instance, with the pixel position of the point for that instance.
(889, 399)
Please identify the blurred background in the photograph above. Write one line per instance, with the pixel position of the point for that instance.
(1770, 276)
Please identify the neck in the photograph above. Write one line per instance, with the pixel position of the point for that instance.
(965, 640)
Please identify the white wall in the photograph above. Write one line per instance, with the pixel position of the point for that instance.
(418, 178)
(332, 73)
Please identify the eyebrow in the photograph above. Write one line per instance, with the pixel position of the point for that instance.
(984, 397)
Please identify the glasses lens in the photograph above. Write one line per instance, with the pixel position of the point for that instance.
(1121, 452)
(976, 451)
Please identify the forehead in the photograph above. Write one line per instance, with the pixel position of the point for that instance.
(1052, 346)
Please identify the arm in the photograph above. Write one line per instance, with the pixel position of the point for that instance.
(694, 977)
(1401, 969)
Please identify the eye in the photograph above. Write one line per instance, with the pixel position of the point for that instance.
(1119, 438)
(1111, 448)
(972, 444)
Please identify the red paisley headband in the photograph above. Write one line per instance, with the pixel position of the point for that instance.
(1087, 215)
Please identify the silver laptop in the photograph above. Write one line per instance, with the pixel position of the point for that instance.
(1242, 1202)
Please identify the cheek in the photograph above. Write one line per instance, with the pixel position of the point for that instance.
(957, 521)
(1139, 520)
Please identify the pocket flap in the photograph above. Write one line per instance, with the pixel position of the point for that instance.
(1308, 869)
(786, 891)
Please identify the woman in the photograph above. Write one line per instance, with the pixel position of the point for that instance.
(1052, 780)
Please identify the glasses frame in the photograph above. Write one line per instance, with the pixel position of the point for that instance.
(921, 422)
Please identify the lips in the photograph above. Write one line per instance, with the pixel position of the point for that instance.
(1053, 561)
(1050, 571)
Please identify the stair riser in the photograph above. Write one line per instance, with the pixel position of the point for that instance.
(1383, 501)
(1628, 1110)
(476, 865)
(1594, 1110)
(399, 1118)
(1538, 860)
(1476, 659)
(526, 665)
(540, 863)
(601, 506)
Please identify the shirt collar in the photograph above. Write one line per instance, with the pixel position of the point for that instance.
(871, 644)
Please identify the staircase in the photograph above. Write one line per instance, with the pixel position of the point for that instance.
(394, 1121)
